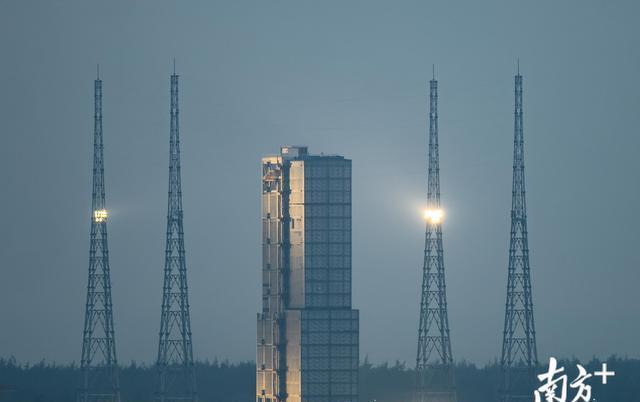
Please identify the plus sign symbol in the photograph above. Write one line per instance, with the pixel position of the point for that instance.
(604, 373)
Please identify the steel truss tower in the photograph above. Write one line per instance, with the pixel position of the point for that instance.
(99, 365)
(519, 353)
(434, 363)
(176, 371)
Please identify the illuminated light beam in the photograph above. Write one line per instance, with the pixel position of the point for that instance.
(100, 215)
(435, 379)
(434, 216)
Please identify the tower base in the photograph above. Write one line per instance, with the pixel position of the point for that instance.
(435, 396)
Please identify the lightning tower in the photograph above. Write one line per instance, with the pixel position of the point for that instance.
(176, 372)
(519, 354)
(434, 363)
(98, 366)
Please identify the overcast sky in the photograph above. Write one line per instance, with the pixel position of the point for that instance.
(345, 77)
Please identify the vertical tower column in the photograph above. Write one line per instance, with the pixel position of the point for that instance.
(176, 371)
(434, 363)
(271, 377)
(307, 340)
(519, 353)
(99, 365)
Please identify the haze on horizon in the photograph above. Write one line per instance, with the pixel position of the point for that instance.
(347, 78)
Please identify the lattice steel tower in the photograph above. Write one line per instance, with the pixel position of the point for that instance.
(434, 363)
(176, 372)
(99, 365)
(519, 354)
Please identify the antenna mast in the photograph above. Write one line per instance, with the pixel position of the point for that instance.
(434, 363)
(176, 371)
(98, 365)
(519, 352)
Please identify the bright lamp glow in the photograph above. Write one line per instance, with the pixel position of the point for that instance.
(100, 215)
(434, 216)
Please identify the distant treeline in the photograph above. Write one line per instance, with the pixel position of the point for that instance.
(235, 382)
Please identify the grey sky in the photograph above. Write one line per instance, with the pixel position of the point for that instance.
(347, 77)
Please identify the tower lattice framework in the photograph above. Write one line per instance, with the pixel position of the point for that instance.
(99, 366)
(519, 353)
(434, 363)
(176, 371)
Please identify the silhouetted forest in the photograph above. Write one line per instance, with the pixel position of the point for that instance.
(227, 382)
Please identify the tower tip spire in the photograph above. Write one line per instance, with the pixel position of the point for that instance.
(433, 71)
(174, 66)
(518, 64)
(98, 71)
